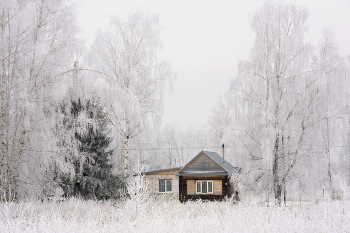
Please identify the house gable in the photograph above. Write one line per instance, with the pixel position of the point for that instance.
(207, 162)
(202, 163)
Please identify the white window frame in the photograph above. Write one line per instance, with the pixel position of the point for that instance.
(200, 182)
(165, 184)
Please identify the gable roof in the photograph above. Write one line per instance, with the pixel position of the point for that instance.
(228, 169)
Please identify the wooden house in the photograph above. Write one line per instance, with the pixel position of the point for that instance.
(206, 176)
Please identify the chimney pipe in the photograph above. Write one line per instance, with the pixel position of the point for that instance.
(223, 152)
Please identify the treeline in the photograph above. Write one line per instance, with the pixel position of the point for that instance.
(64, 113)
(83, 121)
(286, 111)
(285, 118)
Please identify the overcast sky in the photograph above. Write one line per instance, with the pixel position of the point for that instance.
(204, 40)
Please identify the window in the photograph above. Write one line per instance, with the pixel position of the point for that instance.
(204, 187)
(164, 186)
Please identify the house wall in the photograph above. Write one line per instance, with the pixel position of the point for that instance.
(191, 187)
(188, 188)
(153, 184)
(217, 187)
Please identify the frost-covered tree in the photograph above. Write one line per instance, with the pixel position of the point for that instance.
(278, 91)
(224, 132)
(126, 56)
(333, 74)
(37, 39)
(93, 176)
(221, 120)
(82, 136)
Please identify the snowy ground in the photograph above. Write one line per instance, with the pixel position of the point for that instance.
(172, 216)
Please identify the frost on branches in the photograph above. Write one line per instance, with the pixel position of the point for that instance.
(37, 39)
(284, 107)
(126, 57)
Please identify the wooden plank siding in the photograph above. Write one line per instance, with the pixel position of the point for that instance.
(187, 188)
(191, 187)
(203, 163)
(217, 187)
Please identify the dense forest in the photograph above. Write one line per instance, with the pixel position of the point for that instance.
(82, 121)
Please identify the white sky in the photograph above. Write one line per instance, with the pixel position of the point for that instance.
(204, 40)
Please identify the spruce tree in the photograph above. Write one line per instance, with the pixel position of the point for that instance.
(93, 176)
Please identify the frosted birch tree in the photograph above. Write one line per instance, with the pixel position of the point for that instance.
(37, 38)
(278, 93)
(333, 73)
(126, 56)
(220, 121)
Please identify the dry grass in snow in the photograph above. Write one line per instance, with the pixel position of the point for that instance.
(172, 216)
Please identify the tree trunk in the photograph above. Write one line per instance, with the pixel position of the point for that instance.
(277, 187)
(283, 162)
(126, 157)
(3, 112)
(284, 192)
(331, 188)
(330, 174)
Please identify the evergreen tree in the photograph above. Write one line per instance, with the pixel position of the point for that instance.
(93, 178)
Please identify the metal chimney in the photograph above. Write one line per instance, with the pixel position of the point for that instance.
(223, 152)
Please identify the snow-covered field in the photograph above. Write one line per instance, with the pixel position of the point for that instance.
(172, 216)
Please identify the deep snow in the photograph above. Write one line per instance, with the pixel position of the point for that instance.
(172, 216)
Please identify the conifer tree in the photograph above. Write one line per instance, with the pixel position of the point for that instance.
(93, 177)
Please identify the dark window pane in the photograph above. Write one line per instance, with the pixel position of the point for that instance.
(168, 185)
(161, 185)
(204, 187)
(199, 187)
(210, 187)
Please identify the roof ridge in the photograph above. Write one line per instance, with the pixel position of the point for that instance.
(189, 162)
(216, 161)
